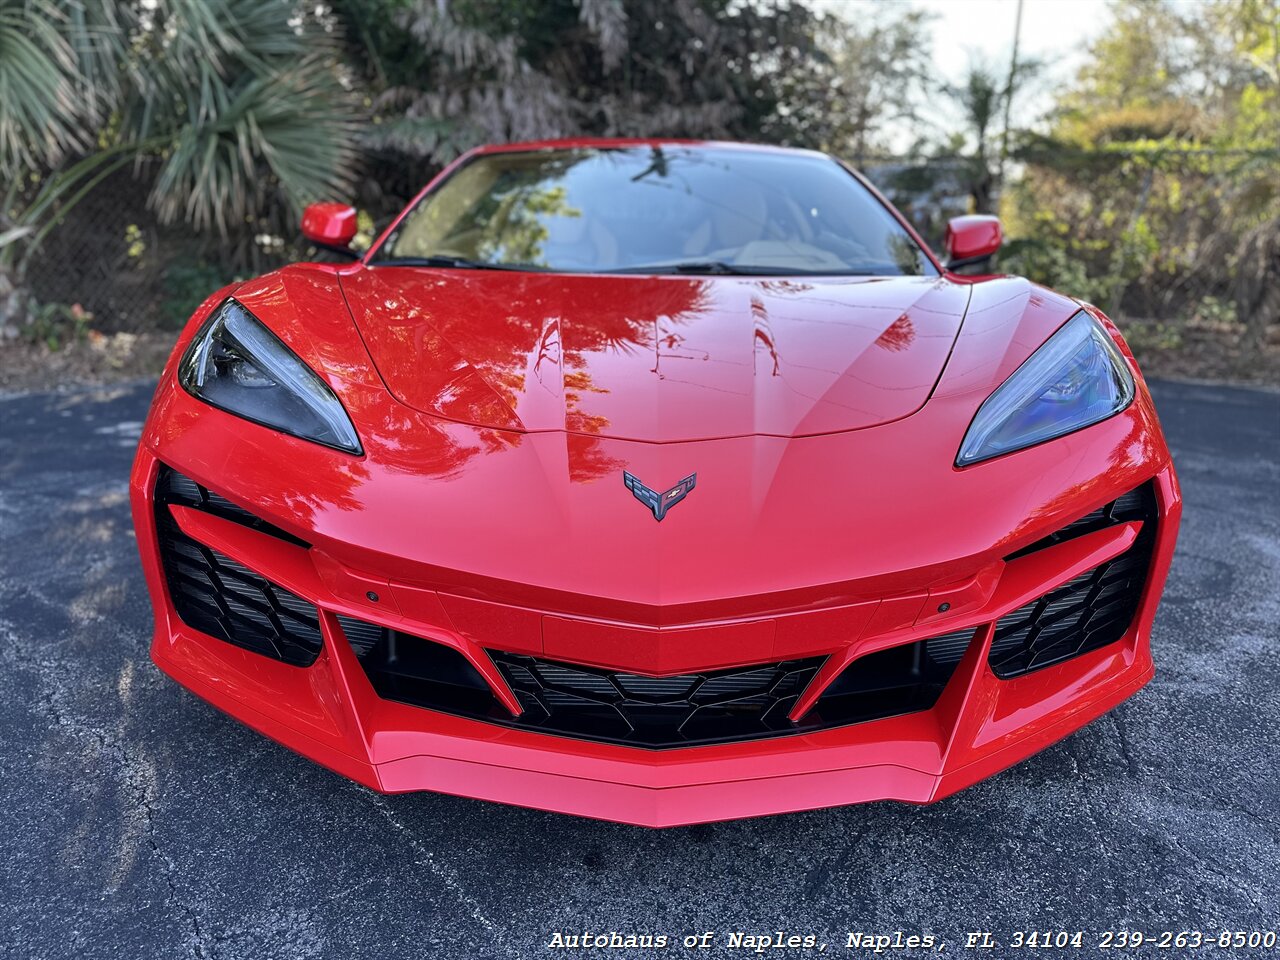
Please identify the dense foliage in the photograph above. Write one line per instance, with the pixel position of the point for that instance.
(1152, 188)
(1156, 190)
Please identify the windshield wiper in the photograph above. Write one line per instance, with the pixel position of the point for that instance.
(446, 260)
(684, 267)
(720, 268)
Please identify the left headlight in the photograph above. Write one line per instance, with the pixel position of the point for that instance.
(1077, 378)
(238, 365)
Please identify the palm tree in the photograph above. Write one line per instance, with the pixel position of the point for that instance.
(41, 111)
(982, 100)
(237, 105)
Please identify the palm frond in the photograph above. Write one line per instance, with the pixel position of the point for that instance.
(425, 137)
(291, 131)
(607, 21)
(39, 109)
(98, 36)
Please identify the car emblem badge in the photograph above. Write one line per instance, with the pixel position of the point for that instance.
(659, 503)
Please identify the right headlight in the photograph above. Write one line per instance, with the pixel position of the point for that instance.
(236, 364)
(1076, 378)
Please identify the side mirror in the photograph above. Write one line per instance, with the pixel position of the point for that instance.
(331, 226)
(972, 239)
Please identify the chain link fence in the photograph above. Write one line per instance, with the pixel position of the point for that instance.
(110, 254)
(112, 257)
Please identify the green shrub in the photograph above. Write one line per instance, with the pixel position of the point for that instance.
(57, 324)
(1046, 260)
(185, 286)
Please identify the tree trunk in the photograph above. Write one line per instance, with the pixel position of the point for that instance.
(1257, 281)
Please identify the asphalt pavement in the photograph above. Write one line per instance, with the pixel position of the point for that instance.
(138, 822)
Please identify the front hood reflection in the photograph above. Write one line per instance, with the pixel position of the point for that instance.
(656, 358)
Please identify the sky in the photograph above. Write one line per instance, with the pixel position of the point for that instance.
(1056, 32)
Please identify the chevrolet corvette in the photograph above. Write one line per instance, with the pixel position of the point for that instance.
(654, 481)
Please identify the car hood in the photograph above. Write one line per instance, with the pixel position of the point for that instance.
(659, 359)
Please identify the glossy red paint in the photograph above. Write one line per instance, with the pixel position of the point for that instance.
(973, 237)
(660, 359)
(488, 511)
(329, 224)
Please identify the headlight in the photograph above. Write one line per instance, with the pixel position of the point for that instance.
(238, 365)
(1075, 379)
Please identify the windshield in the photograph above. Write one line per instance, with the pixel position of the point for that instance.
(667, 209)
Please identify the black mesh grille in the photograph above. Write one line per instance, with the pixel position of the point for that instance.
(711, 707)
(362, 635)
(1088, 612)
(946, 650)
(717, 706)
(225, 599)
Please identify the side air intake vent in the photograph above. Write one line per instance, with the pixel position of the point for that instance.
(1088, 612)
(1137, 504)
(174, 487)
(216, 595)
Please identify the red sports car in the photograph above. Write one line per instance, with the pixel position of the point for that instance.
(659, 482)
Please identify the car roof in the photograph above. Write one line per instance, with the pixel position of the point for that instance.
(605, 143)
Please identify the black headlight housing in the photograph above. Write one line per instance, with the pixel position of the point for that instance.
(236, 364)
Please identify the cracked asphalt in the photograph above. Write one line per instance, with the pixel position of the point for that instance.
(139, 822)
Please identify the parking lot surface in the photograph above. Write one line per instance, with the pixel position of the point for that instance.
(139, 822)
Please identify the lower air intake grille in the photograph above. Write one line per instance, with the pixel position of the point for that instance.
(902, 679)
(1086, 613)
(712, 707)
(715, 706)
(225, 599)
(421, 673)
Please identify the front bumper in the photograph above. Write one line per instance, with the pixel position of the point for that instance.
(330, 712)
